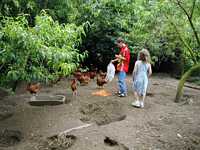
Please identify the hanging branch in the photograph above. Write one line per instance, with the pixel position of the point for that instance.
(183, 40)
(190, 19)
(192, 11)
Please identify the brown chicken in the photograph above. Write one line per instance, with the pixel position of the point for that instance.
(102, 74)
(84, 78)
(33, 88)
(92, 74)
(74, 87)
(101, 81)
(77, 74)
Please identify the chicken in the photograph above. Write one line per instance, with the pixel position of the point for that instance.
(77, 74)
(101, 81)
(74, 87)
(33, 88)
(85, 78)
(102, 74)
(93, 74)
(82, 77)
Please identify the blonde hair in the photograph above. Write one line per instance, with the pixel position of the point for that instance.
(145, 54)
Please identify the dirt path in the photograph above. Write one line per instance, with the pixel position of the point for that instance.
(115, 124)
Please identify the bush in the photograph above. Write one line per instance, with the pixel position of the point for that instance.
(39, 53)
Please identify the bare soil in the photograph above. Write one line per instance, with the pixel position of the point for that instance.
(114, 123)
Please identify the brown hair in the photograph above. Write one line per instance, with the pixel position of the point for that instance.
(120, 40)
(144, 55)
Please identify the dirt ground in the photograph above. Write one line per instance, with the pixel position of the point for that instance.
(113, 123)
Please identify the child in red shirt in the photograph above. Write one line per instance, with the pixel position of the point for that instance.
(123, 59)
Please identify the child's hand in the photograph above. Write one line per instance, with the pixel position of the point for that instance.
(112, 61)
(119, 57)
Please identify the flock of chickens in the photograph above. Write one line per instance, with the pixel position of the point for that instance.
(82, 77)
(85, 77)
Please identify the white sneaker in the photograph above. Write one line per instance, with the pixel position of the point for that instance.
(122, 95)
(142, 104)
(136, 103)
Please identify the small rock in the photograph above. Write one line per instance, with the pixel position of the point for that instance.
(190, 101)
(180, 136)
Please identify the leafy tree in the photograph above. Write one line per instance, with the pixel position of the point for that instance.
(13, 8)
(140, 23)
(195, 58)
(39, 53)
(188, 34)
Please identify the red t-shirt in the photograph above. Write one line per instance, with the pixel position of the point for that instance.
(124, 64)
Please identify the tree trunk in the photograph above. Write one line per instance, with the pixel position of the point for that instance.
(14, 85)
(182, 81)
(45, 4)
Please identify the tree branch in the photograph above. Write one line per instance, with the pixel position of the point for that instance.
(190, 21)
(181, 6)
(184, 42)
(193, 6)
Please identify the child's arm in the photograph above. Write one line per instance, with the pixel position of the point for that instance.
(135, 69)
(114, 60)
(118, 58)
(149, 70)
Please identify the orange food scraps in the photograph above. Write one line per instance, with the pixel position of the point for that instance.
(101, 93)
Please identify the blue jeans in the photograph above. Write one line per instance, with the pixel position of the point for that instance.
(122, 82)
